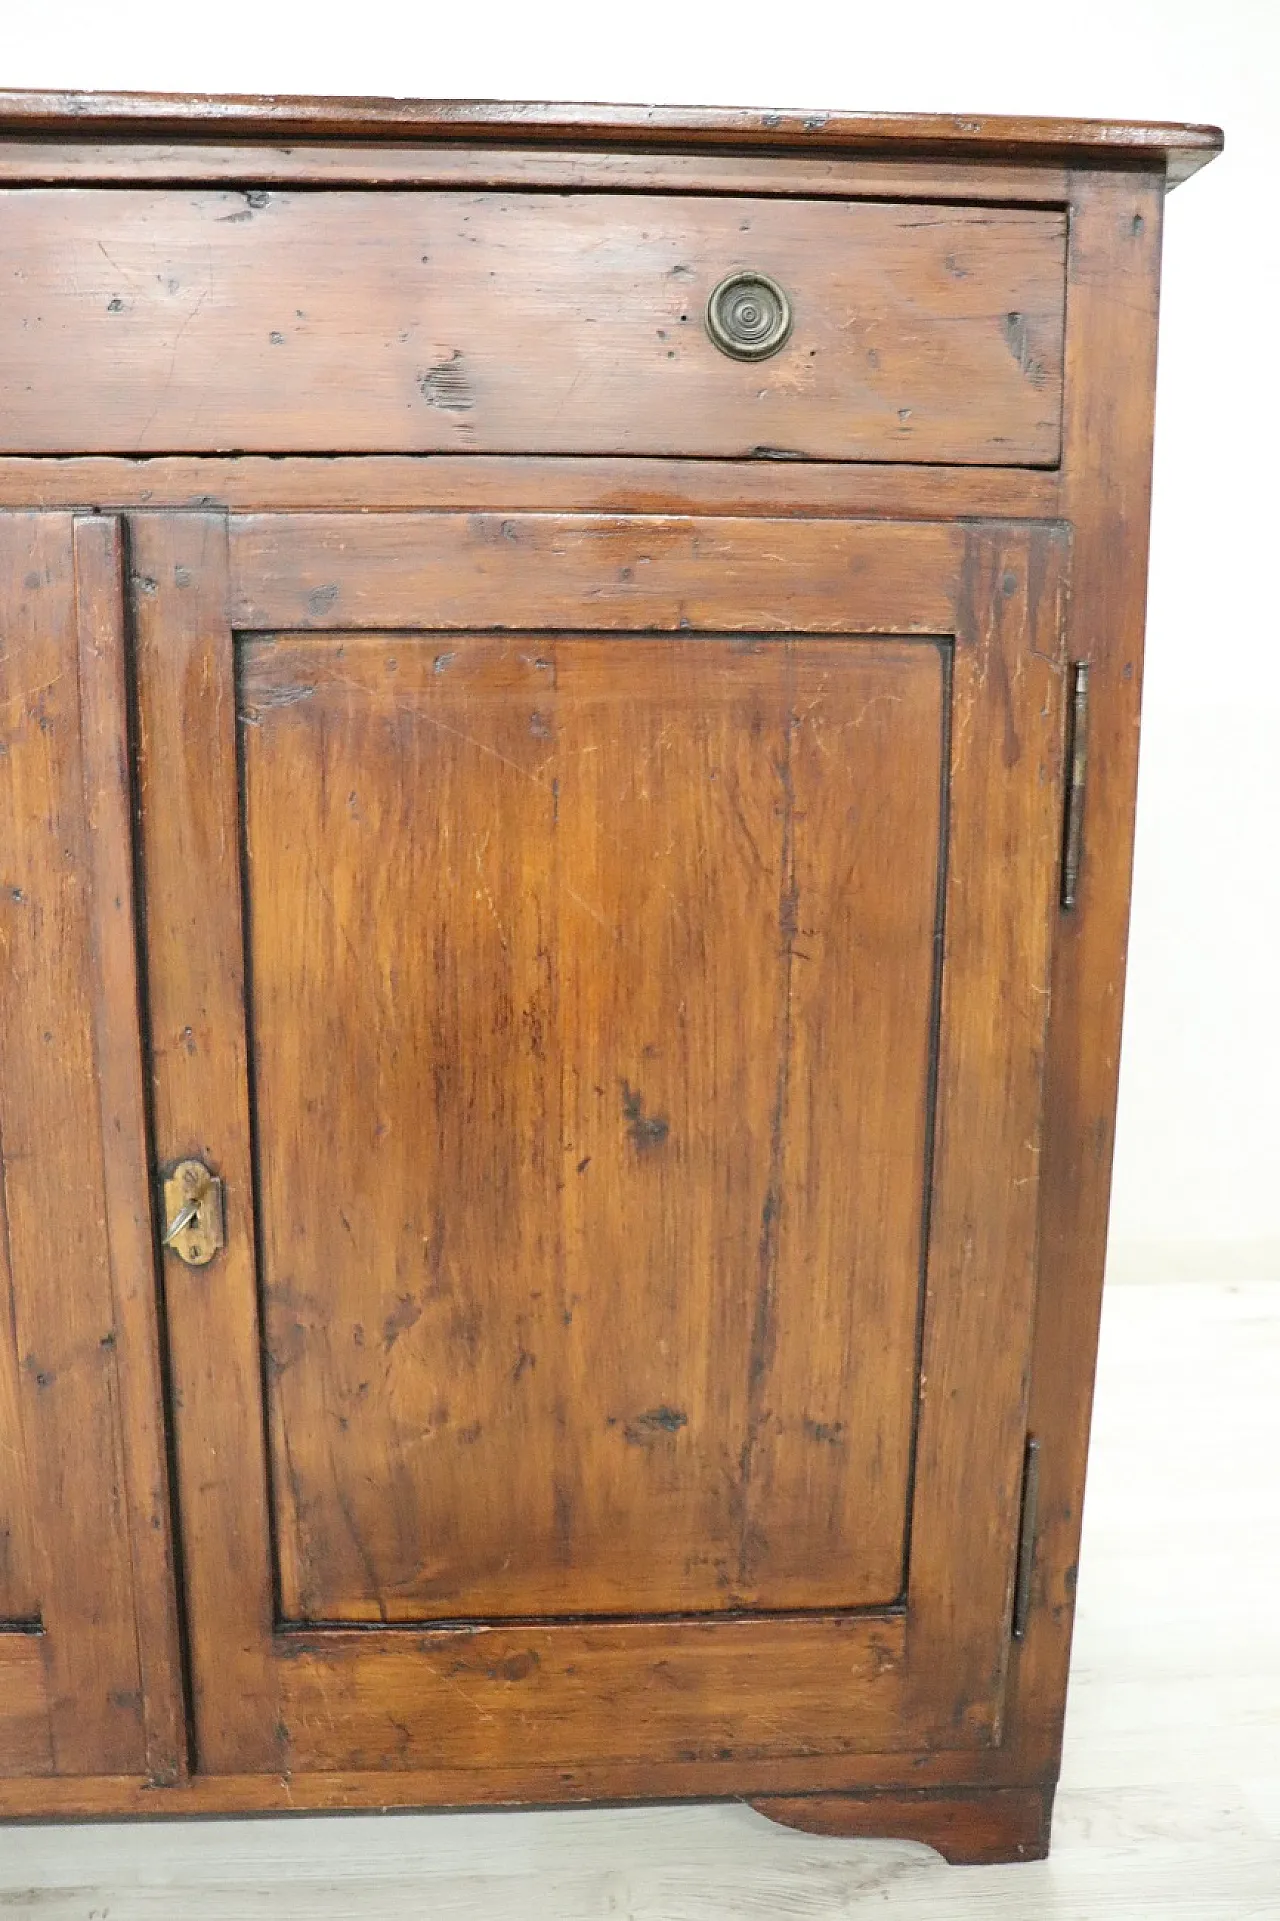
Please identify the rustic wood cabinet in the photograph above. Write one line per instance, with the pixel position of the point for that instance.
(570, 689)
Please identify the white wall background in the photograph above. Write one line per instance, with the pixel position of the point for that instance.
(1198, 1165)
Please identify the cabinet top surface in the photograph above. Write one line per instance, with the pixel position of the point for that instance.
(202, 117)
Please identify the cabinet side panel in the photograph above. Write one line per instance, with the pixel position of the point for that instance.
(1111, 324)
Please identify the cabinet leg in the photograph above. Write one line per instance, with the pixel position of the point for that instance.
(966, 1826)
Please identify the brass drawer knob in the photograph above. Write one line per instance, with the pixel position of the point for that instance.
(749, 316)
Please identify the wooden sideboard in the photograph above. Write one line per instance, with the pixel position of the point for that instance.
(570, 690)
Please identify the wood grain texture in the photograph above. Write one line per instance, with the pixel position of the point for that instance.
(1191, 1854)
(546, 1784)
(1112, 323)
(498, 1701)
(205, 821)
(863, 856)
(60, 1299)
(1168, 1797)
(540, 322)
(120, 162)
(1169, 1793)
(385, 482)
(19, 1579)
(427, 864)
(1003, 773)
(996, 1824)
(98, 547)
(194, 959)
(26, 1744)
(1001, 888)
(1173, 146)
(323, 572)
(656, 953)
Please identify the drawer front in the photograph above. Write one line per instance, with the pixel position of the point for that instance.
(181, 321)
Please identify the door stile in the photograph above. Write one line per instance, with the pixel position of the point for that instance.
(1001, 894)
(195, 964)
(77, 1694)
(99, 552)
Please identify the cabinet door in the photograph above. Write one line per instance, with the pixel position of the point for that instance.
(606, 963)
(88, 1662)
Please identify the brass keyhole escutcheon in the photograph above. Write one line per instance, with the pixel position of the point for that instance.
(192, 1203)
(749, 316)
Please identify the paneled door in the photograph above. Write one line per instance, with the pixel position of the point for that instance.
(604, 961)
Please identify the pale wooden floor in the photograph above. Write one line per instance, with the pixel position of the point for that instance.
(1170, 1804)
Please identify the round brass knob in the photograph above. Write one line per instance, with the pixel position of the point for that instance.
(749, 316)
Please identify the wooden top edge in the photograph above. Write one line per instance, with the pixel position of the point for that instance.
(182, 117)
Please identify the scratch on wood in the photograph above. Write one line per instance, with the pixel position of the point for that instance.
(1017, 337)
(651, 1425)
(763, 1330)
(447, 386)
(586, 907)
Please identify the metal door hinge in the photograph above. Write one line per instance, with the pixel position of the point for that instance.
(193, 1215)
(1026, 1539)
(1077, 769)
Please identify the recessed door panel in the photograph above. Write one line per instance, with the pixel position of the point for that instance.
(591, 986)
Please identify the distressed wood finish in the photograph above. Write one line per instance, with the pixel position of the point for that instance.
(997, 950)
(70, 1698)
(1167, 1807)
(810, 489)
(1115, 281)
(95, 163)
(19, 1582)
(494, 1703)
(998, 1824)
(547, 1222)
(322, 572)
(389, 1245)
(1175, 150)
(477, 744)
(538, 1783)
(103, 671)
(556, 323)
(186, 721)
